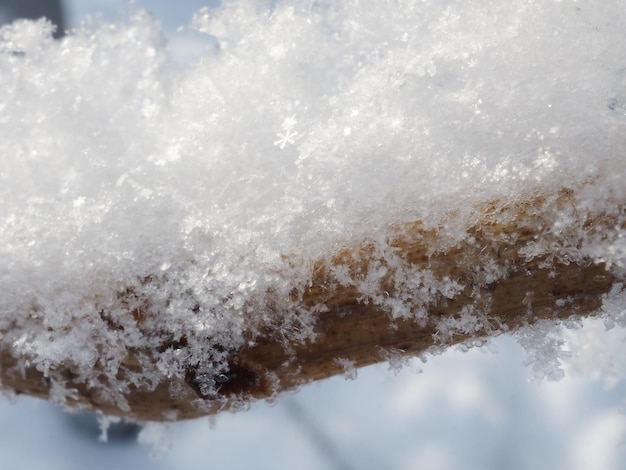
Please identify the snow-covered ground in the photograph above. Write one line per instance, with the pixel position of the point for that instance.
(556, 107)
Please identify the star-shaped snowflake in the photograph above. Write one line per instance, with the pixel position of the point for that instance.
(288, 136)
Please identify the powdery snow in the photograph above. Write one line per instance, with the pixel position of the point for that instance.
(308, 127)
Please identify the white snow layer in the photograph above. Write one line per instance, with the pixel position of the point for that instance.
(306, 127)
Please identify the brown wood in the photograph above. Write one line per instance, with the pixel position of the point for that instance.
(548, 285)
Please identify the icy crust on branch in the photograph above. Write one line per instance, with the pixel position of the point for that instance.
(146, 207)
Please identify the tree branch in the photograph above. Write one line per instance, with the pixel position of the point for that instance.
(506, 281)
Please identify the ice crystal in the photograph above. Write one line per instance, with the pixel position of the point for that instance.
(151, 207)
(288, 136)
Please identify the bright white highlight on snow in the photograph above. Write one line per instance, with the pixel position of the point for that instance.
(310, 126)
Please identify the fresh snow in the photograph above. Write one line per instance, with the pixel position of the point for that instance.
(303, 128)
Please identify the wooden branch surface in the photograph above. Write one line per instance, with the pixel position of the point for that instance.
(352, 331)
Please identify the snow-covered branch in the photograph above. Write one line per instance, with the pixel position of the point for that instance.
(510, 271)
(330, 184)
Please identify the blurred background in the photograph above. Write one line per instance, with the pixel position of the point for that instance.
(460, 410)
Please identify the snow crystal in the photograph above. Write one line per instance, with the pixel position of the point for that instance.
(105, 422)
(348, 366)
(545, 350)
(156, 436)
(149, 206)
(396, 358)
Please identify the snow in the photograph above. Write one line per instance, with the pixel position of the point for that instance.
(300, 128)
(477, 408)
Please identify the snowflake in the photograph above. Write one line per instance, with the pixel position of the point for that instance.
(288, 136)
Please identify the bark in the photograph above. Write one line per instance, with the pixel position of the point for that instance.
(552, 285)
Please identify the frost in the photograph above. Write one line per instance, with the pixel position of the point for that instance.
(614, 307)
(147, 206)
(348, 366)
(594, 353)
(157, 437)
(544, 345)
(105, 422)
(396, 358)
